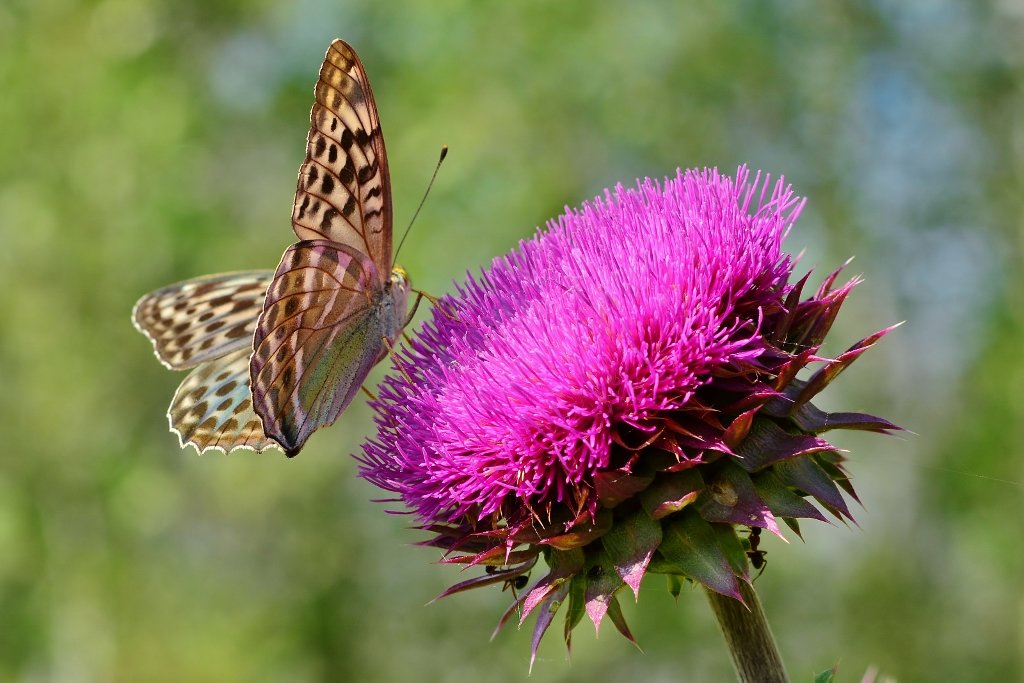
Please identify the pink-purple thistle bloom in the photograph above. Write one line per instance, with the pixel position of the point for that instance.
(619, 396)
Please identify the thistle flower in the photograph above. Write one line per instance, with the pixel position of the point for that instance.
(620, 397)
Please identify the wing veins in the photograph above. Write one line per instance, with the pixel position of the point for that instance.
(352, 107)
(361, 229)
(373, 132)
(323, 385)
(290, 357)
(361, 81)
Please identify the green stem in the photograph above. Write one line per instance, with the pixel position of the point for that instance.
(748, 636)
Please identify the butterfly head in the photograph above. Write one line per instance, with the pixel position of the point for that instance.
(399, 279)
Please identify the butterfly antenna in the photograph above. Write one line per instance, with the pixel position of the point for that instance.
(444, 153)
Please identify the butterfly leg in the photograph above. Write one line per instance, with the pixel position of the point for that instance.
(420, 294)
(391, 351)
(373, 397)
(415, 305)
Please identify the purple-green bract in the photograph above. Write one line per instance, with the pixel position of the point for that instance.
(619, 395)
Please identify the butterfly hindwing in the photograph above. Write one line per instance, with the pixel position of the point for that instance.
(203, 318)
(213, 407)
(344, 189)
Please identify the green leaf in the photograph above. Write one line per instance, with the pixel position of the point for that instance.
(602, 583)
(615, 614)
(691, 546)
(671, 493)
(781, 500)
(806, 475)
(820, 379)
(767, 443)
(614, 487)
(564, 564)
(544, 618)
(675, 585)
(826, 676)
(582, 534)
(630, 544)
(575, 610)
(732, 548)
(731, 498)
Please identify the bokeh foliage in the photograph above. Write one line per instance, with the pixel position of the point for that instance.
(146, 141)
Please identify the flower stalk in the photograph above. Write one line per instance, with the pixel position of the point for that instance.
(750, 641)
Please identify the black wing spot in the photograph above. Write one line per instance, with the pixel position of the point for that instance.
(332, 153)
(366, 173)
(350, 206)
(347, 139)
(302, 208)
(334, 123)
(330, 213)
(204, 288)
(348, 173)
(327, 184)
(321, 144)
(312, 176)
(237, 331)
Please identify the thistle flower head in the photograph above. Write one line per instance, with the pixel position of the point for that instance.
(619, 396)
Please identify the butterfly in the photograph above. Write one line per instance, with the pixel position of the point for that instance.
(276, 356)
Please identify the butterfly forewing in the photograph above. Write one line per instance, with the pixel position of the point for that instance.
(213, 407)
(317, 339)
(204, 318)
(344, 190)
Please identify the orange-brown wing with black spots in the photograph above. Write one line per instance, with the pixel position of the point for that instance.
(198, 320)
(212, 408)
(344, 190)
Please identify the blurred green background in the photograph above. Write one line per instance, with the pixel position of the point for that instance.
(144, 142)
